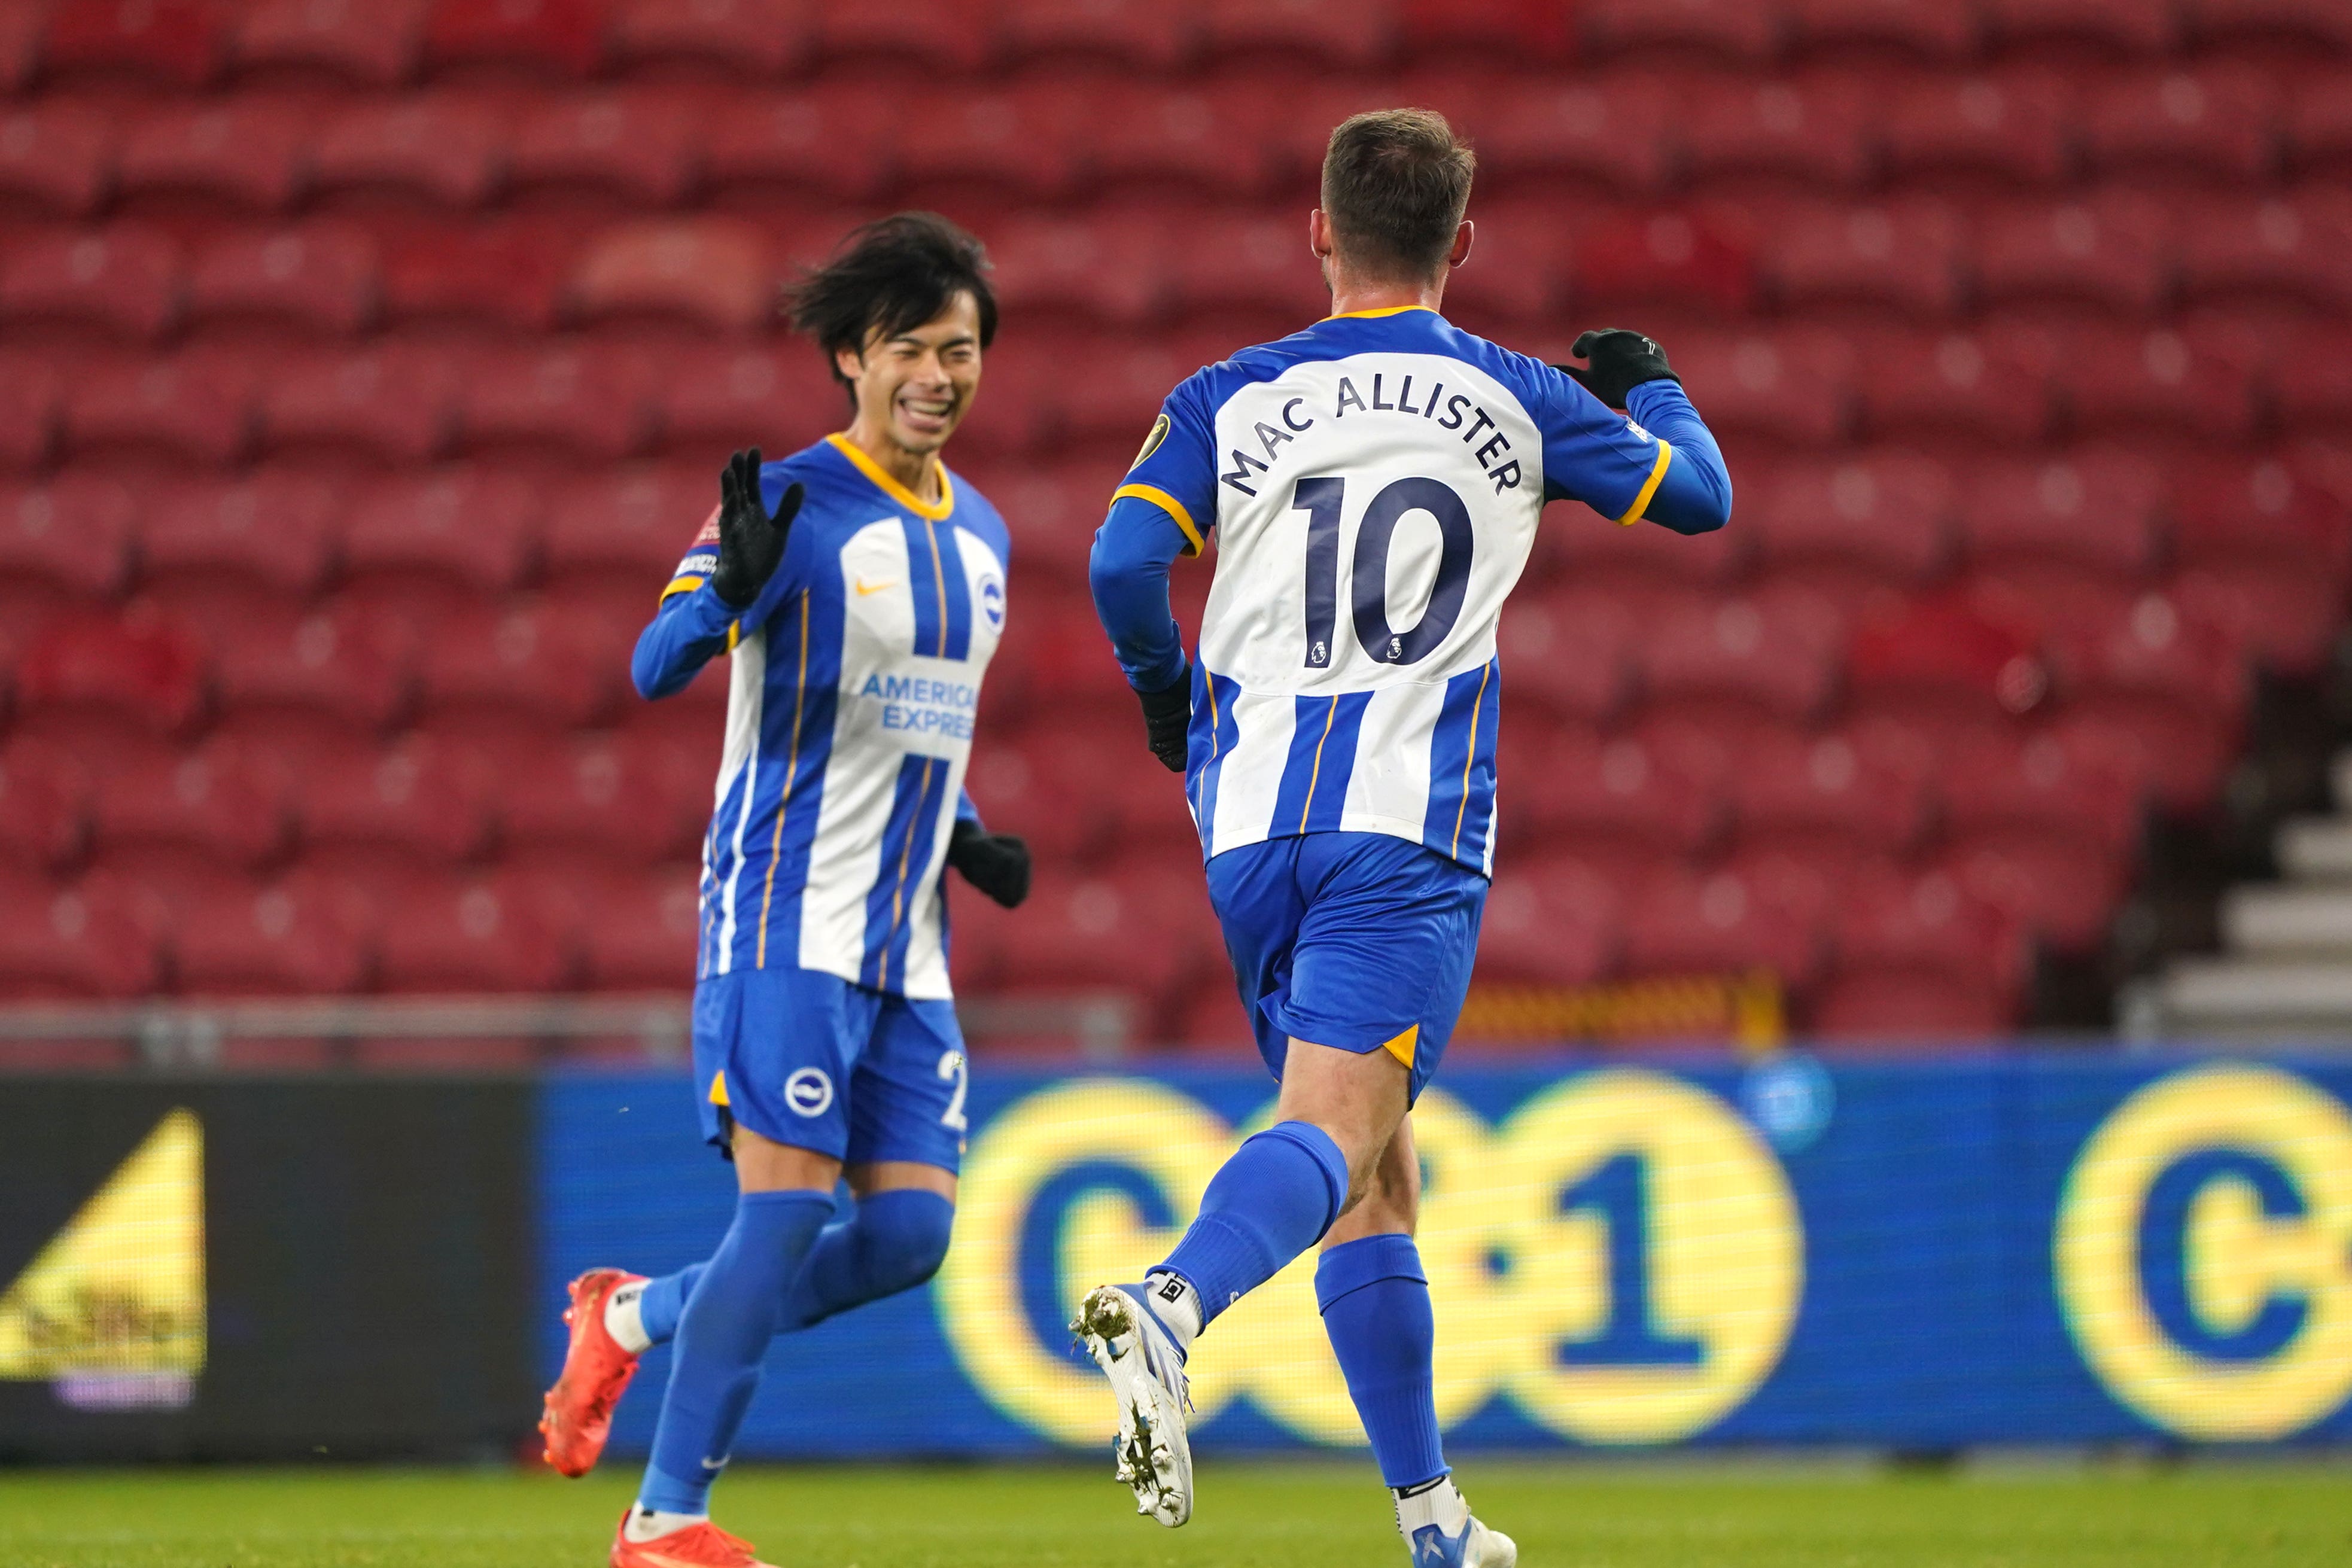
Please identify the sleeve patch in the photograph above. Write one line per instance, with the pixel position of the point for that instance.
(1151, 442)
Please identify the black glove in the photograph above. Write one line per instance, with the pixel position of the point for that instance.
(751, 542)
(1167, 720)
(996, 863)
(1616, 363)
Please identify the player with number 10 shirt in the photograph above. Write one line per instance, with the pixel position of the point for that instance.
(1375, 483)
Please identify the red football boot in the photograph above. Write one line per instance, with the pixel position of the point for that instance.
(703, 1545)
(596, 1371)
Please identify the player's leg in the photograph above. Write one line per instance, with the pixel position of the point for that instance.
(906, 1145)
(1374, 1298)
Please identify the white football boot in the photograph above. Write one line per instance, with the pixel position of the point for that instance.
(1440, 1533)
(1146, 1368)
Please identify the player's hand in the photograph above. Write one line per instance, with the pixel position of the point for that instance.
(751, 542)
(996, 863)
(1167, 720)
(1615, 362)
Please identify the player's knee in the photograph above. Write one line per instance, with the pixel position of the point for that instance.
(906, 1235)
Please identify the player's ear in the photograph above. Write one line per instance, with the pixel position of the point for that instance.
(849, 362)
(1463, 235)
(1319, 235)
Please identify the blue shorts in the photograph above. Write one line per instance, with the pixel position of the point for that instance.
(1359, 941)
(810, 1059)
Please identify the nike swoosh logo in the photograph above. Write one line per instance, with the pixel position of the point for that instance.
(714, 1464)
(865, 588)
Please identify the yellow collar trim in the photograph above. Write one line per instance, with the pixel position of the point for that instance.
(936, 511)
(1383, 311)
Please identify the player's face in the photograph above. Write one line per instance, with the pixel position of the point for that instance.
(916, 387)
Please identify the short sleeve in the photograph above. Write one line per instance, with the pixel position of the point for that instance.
(1177, 469)
(1594, 454)
(702, 559)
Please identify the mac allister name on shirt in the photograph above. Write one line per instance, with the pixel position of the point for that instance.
(917, 704)
(1430, 402)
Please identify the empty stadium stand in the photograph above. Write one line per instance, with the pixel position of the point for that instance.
(364, 367)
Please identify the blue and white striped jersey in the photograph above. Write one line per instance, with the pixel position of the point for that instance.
(855, 675)
(1375, 483)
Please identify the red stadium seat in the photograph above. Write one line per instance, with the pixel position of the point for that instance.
(2117, 28)
(1944, 654)
(123, 281)
(215, 802)
(1337, 35)
(1917, 956)
(1128, 378)
(1942, 389)
(2216, 123)
(1613, 802)
(390, 402)
(463, 525)
(77, 944)
(1209, 139)
(1643, 561)
(470, 937)
(754, 38)
(2092, 509)
(1143, 35)
(2321, 24)
(64, 540)
(246, 152)
(2232, 512)
(624, 803)
(319, 281)
(2311, 383)
(829, 137)
(2317, 124)
(2125, 381)
(1240, 261)
(1824, 798)
(1549, 922)
(573, 399)
(2060, 888)
(1733, 656)
(366, 42)
(1903, 258)
(505, 275)
(2113, 251)
(1793, 386)
(1610, 130)
(1724, 30)
(1670, 261)
(2295, 250)
(1018, 791)
(639, 931)
(1807, 134)
(138, 671)
(2032, 784)
(1570, 661)
(444, 149)
(532, 37)
(20, 44)
(194, 407)
(632, 149)
(1058, 510)
(274, 529)
(710, 274)
(1928, 30)
(411, 803)
(1025, 139)
(778, 398)
(531, 664)
(167, 43)
(1106, 267)
(1687, 924)
(310, 664)
(302, 936)
(2287, 618)
(2009, 128)
(44, 808)
(621, 534)
(940, 33)
(1087, 933)
(56, 156)
(1519, 263)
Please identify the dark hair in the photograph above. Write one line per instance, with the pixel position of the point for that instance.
(1394, 185)
(889, 275)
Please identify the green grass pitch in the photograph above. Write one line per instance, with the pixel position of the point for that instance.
(1267, 1516)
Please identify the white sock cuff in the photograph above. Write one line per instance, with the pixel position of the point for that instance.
(1439, 1502)
(1177, 1303)
(625, 1321)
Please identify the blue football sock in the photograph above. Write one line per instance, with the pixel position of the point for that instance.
(663, 1300)
(893, 1242)
(1375, 1304)
(721, 1336)
(1272, 1200)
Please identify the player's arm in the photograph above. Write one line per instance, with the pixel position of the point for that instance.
(722, 580)
(1663, 466)
(1157, 515)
